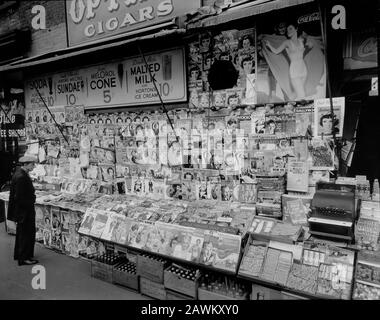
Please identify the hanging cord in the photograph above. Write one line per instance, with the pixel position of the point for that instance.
(322, 18)
(158, 92)
(51, 115)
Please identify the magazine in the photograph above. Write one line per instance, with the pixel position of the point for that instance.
(87, 222)
(99, 223)
(326, 123)
(298, 176)
(221, 250)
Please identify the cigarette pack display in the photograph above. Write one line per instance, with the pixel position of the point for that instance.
(253, 258)
(303, 277)
(276, 266)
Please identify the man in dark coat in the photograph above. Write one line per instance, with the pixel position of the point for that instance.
(21, 210)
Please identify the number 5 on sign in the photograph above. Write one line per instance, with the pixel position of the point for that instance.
(107, 96)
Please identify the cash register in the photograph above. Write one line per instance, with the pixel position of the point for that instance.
(333, 211)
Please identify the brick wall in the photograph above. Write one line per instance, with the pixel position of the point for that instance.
(20, 16)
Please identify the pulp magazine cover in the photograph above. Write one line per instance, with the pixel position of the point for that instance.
(221, 250)
(296, 209)
(99, 223)
(304, 120)
(180, 245)
(322, 155)
(138, 234)
(298, 176)
(87, 222)
(116, 228)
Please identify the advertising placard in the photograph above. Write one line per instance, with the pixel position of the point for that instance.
(126, 82)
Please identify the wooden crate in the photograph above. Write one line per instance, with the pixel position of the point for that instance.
(264, 293)
(176, 283)
(173, 295)
(209, 295)
(101, 271)
(125, 279)
(152, 289)
(150, 269)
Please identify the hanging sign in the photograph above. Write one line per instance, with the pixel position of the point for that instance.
(122, 83)
(97, 19)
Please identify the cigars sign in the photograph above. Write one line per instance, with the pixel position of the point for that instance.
(89, 20)
(121, 83)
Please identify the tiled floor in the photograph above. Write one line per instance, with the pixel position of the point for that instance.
(66, 277)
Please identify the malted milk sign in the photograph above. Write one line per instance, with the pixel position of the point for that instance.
(89, 20)
(121, 83)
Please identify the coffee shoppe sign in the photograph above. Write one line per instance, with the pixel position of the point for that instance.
(120, 83)
(90, 20)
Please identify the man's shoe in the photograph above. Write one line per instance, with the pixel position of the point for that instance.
(27, 262)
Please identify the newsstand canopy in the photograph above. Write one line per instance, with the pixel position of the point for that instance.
(243, 11)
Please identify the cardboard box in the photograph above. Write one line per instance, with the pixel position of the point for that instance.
(152, 289)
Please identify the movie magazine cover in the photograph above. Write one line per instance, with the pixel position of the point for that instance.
(99, 223)
(40, 223)
(116, 228)
(304, 120)
(221, 250)
(56, 223)
(325, 123)
(88, 221)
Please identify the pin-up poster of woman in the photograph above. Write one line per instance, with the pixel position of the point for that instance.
(291, 58)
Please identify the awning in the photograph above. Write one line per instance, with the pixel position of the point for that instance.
(75, 51)
(245, 10)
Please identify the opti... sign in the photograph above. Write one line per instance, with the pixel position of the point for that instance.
(89, 20)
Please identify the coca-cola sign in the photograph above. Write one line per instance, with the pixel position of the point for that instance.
(308, 18)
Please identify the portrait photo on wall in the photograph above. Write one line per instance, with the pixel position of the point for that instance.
(291, 57)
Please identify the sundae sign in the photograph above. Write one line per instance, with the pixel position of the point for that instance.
(89, 20)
